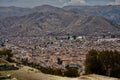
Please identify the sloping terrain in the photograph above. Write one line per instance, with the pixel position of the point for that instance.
(91, 25)
(36, 24)
(109, 12)
(3, 61)
(49, 20)
(27, 73)
(56, 23)
(19, 11)
(13, 11)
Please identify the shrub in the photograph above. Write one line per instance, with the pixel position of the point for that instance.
(7, 53)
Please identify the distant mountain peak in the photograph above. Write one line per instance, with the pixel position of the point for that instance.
(44, 6)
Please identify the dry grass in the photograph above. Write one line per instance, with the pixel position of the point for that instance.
(3, 61)
(28, 73)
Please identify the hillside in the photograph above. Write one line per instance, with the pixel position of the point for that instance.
(19, 11)
(92, 25)
(56, 23)
(3, 61)
(27, 73)
(109, 12)
(13, 11)
(49, 20)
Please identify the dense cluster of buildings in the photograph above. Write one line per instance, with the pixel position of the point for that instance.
(58, 52)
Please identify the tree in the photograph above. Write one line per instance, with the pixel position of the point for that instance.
(105, 58)
(103, 62)
(92, 62)
(71, 72)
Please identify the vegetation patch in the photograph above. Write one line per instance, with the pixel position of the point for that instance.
(103, 62)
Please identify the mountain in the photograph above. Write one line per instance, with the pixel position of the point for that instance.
(92, 25)
(36, 24)
(109, 12)
(55, 21)
(13, 11)
(49, 20)
(46, 8)
(18, 11)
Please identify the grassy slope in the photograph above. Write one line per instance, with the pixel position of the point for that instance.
(27, 73)
(3, 61)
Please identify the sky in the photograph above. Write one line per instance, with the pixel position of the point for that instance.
(57, 3)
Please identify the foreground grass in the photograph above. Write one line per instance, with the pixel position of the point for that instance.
(28, 73)
(3, 61)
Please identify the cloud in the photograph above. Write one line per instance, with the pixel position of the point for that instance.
(29, 3)
(75, 2)
(111, 3)
(89, 2)
(58, 3)
(2, 1)
(62, 1)
(117, 2)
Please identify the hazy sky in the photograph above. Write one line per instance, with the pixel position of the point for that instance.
(58, 3)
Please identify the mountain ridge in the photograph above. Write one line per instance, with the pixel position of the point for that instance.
(48, 20)
(56, 23)
(110, 12)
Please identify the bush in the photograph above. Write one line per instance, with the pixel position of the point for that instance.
(49, 70)
(7, 53)
(71, 72)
